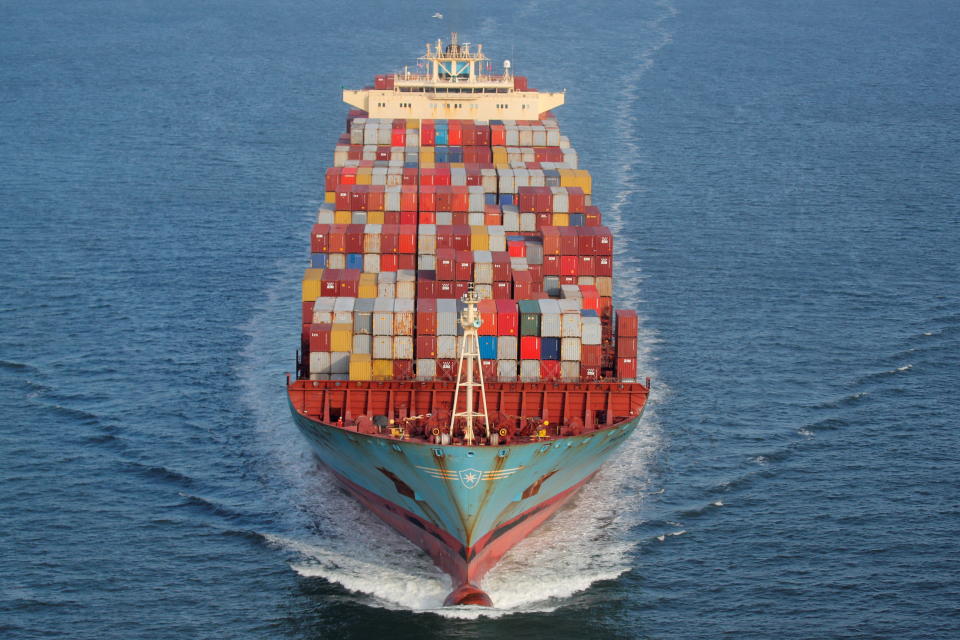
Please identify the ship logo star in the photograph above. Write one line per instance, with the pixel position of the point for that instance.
(469, 477)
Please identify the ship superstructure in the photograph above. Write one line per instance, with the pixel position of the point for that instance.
(462, 371)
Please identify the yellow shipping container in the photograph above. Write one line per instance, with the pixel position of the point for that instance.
(341, 336)
(330, 197)
(368, 286)
(413, 123)
(360, 368)
(364, 175)
(561, 219)
(342, 217)
(427, 154)
(479, 240)
(374, 217)
(427, 165)
(382, 369)
(500, 155)
(311, 284)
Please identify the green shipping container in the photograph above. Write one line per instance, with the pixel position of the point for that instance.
(529, 317)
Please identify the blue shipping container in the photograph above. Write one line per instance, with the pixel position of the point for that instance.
(506, 198)
(549, 348)
(318, 260)
(355, 261)
(488, 347)
(577, 219)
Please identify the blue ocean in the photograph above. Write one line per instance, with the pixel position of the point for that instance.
(782, 179)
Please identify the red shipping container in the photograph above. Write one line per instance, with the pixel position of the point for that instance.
(460, 289)
(544, 200)
(498, 135)
(502, 290)
(529, 347)
(549, 369)
(407, 261)
(591, 355)
(408, 198)
(543, 220)
(517, 248)
(446, 369)
(463, 266)
(391, 217)
(390, 238)
(461, 237)
(627, 324)
(522, 285)
(626, 347)
(589, 372)
(331, 179)
(446, 259)
(469, 136)
(354, 239)
(460, 218)
(536, 272)
(489, 369)
(568, 266)
(318, 238)
(427, 217)
(592, 217)
(527, 199)
(444, 198)
(426, 316)
(348, 285)
(426, 345)
(320, 336)
(426, 284)
(389, 262)
(376, 197)
(307, 312)
(551, 265)
(626, 367)
(501, 266)
(492, 218)
(603, 241)
(358, 197)
(508, 318)
(408, 238)
(483, 135)
(519, 83)
(348, 176)
(427, 200)
(444, 237)
(398, 137)
(591, 300)
(337, 240)
(410, 177)
(342, 200)
(488, 316)
(330, 284)
(586, 266)
(454, 133)
(569, 241)
(551, 241)
(409, 218)
(603, 265)
(576, 199)
(460, 199)
(427, 134)
(442, 176)
(568, 279)
(445, 289)
(586, 241)
(402, 369)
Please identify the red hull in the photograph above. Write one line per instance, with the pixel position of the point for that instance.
(465, 565)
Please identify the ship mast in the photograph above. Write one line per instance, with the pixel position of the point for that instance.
(469, 356)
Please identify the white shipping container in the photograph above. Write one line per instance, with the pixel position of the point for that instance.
(587, 280)
(343, 310)
(507, 369)
(391, 199)
(570, 292)
(484, 291)
(591, 330)
(550, 319)
(383, 317)
(570, 370)
(427, 239)
(320, 362)
(427, 262)
(325, 214)
(571, 325)
(475, 219)
(426, 368)
(604, 285)
(323, 310)
(403, 347)
(340, 376)
(529, 370)
(528, 221)
(340, 362)
(447, 324)
(336, 261)
(404, 316)
(570, 349)
(382, 347)
(511, 220)
(386, 290)
(446, 346)
(483, 272)
(551, 285)
(371, 263)
(507, 347)
(363, 316)
(319, 376)
(362, 343)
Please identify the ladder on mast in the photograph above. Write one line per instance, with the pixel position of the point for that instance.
(469, 358)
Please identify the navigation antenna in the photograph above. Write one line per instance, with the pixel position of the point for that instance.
(469, 356)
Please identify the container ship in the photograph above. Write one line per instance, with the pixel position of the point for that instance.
(462, 369)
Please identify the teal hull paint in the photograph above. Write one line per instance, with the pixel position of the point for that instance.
(466, 491)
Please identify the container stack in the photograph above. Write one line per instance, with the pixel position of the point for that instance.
(416, 211)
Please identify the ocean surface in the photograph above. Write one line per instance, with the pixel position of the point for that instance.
(783, 181)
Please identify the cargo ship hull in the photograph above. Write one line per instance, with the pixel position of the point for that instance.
(464, 506)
